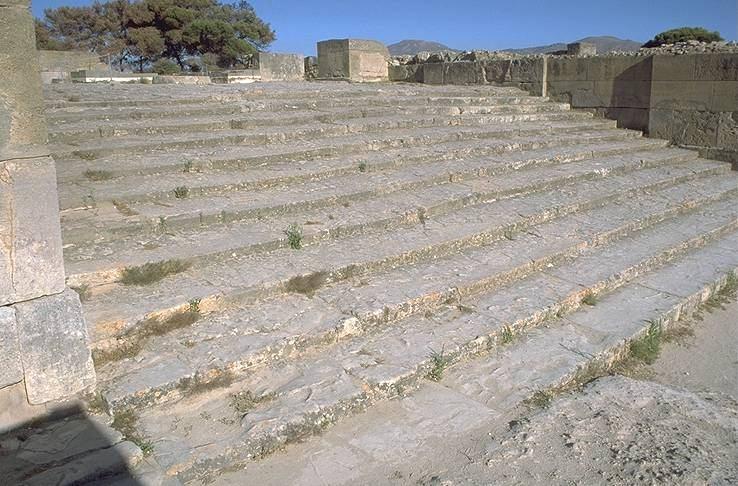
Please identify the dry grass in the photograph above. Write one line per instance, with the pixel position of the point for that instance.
(152, 272)
(98, 175)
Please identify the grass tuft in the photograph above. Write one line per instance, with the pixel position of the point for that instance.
(648, 346)
(439, 363)
(507, 335)
(294, 236)
(245, 401)
(181, 192)
(727, 293)
(125, 423)
(200, 383)
(86, 155)
(83, 291)
(540, 399)
(306, 284)
(187, 167)
(152, 272)
(362, 167)
(589, 299)
(98, 175)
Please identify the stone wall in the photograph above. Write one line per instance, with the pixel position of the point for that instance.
(281, 67)
(43, 336)
(691, 100)
(59, 64)
(694, 102)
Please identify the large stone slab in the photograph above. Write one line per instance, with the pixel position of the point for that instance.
(11, 370)
(54, 347)
(353, 60)
(31, 262)
(281, 67)
(21, 105)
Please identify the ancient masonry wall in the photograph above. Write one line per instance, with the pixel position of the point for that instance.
(691, 100)
(44, 351)
(59, 64)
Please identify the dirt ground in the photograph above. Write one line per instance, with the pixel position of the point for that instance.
(672, 422)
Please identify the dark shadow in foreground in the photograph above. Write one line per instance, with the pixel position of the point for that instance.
(67, 448)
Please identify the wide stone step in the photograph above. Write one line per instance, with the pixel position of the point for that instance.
(77, 132)
(120, 318)
(293, 324)
(302, 152)
(156, 217)
(455, 162)
(132, 144)
(69, 118)
(113, 96)
(205, 432)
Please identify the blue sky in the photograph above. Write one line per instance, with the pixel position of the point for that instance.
(477, 24)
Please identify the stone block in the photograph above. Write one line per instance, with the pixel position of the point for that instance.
(353, 59)
(674, 68)
(625, 68)
(54, 347)
(31, 262)
(623, 93)
(633, 118)
(581, 49)
(11, 370)
(411, 73)
(727, 136)
(579, 93)
(497, 71)
(22, 119)
(311, 67)
(463, 73)
(686, 127)
(724, 96)
(716, 67)
(281, 67)
(567, 69)
(681, 95)
(433, 73)
(527, 70)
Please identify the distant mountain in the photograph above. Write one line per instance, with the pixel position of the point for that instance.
(410, 47)
(604, 44)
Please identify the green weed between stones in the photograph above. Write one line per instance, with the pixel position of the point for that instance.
(98, 175)
(648, 346)
(507, 335)
(152, 272)
(540, 399)
(294, 236)
(181, 192)
(589, 299)
(245, 401)
(125, 423)
(439, 363)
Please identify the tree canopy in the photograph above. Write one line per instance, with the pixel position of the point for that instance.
(141, 32)
(683, 34)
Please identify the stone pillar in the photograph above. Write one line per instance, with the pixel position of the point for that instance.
(353, 60)
(44, 345)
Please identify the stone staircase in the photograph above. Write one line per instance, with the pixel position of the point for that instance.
(260, 263)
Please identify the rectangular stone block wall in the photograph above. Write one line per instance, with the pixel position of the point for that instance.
(281, 67)
(615, 87)
(694, 102)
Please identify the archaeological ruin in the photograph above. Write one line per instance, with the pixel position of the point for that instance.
(393, 251)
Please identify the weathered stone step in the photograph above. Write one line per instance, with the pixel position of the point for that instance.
(80, 132)
(453, 165)
(311, 152)
(134, 144)
(204, 433)
(470, 182)
(287, 107)
(122, 96)
(485, 394)
(235, 282)
(291, 325)
(103, 260)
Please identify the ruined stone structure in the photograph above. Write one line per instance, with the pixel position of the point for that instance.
(352, 60)
(58, 66)
(689, 99)
(44, 351)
